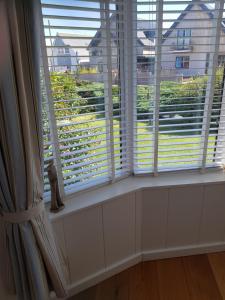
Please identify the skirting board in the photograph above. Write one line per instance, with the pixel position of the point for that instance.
(144, 256)
(104, 274)
(182, 251)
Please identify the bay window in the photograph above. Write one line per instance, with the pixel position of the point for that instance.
(127, 111)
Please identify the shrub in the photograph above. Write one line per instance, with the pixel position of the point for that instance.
(173, 93)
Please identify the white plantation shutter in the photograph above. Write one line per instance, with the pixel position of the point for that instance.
(48, 152)
(84, 57)
(183, 126)
(133, 87)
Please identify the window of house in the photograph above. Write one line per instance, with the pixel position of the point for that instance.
(100, 68)
(67, 50)
(207, 63)
(61, 50)
(94, 52)
(183, 38)
(100, 127)
(182, 62)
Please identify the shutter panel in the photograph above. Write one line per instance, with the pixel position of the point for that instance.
(186, 94)
(83, 43)
(47, 142)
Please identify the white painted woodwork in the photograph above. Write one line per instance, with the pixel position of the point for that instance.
(148, 223)
(84, 242)
(119, 228)
(58, 230)
(154, 218)
(184, 215)
(213, 215)
(138, 221)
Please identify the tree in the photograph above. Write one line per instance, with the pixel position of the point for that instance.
(75, 124)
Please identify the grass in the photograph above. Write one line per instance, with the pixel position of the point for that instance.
(170, 151)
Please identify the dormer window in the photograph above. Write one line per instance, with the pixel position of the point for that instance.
(67, 50)
(183, 38)
(60, 51)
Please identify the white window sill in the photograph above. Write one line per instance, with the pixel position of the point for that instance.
(74, 203)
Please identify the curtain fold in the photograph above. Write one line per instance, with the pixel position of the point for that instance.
(28, 254)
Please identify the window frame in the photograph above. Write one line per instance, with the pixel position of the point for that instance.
(61, 51)
(183, 38)
(221, 60)
(184, 62)
(129, 94)
(67, 50)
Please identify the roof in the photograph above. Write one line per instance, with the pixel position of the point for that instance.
(68, 39)
(146, 32)
(204, 8)
(144, 40)
(97, 38)
(148, 27)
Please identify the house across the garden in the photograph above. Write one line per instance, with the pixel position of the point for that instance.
(185, 48)
(187, 43)
(69, 52)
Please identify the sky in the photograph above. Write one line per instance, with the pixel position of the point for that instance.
(144, 12)
(93, 14)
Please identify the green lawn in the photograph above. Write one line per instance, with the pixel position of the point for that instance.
(169, 152)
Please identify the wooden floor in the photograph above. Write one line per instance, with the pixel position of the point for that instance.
(199, 277)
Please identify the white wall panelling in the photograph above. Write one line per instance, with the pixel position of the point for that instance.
(213, 214)
(138, 220)
(149, 223)
(119, 228)
(84, 241)
(157, 222)
(154, 218)
(58, 229)
(184, 215)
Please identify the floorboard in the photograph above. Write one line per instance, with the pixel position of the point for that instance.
(171, 278)
(217, 263)
(151, 280)
(199, 277)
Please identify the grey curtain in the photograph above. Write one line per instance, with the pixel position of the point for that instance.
(28, 259)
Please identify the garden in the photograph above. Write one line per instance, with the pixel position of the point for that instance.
(82, 120)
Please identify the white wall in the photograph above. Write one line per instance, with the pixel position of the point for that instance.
(152, 223)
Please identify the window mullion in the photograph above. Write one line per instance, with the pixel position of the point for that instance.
(107, 73)
(121, 67)
(51, 115)
(130, 66)
(220, 143)
(157, 75)
(216, 29)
